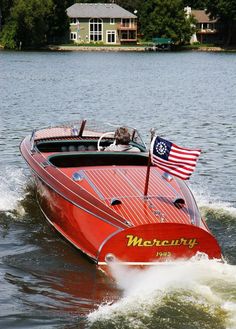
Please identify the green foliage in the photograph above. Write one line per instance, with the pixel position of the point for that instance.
(131, 5)
(27, 24)
(33, 23)
(58, 21)
(195, 4)
(8, 36)
(166, 19)
(225, 10)
(5, 6)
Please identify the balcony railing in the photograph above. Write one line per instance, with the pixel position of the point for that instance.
(127, 26)
(128, 40)
(207, 31)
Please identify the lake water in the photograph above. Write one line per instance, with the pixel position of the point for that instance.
(190, 98)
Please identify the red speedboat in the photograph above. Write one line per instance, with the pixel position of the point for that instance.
(96, 200)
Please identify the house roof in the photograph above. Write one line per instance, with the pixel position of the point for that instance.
(202, 17)
(98, 10)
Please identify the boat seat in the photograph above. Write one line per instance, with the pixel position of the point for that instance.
(73, 145)
(67, 146)
(81, 159)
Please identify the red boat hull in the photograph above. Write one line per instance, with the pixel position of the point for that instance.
(95, 201)
(140, 245)
(81, 228)
(160, 242)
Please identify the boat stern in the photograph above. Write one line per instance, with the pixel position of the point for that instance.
(159, 242)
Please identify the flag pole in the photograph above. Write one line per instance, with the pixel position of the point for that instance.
(148, 166)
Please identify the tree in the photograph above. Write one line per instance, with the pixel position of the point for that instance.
(167, 19)
(225, 10)
(27, 24)
(33, 23)
(195, 4)
(130, 5)
(58, 21)
(5, 6)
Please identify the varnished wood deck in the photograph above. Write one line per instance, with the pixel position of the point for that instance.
(127, 184)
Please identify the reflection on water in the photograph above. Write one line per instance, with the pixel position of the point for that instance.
(42, 274)
(46, 283)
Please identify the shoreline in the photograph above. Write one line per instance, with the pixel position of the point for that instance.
(97, 48)
(135, 48)
(132, 49)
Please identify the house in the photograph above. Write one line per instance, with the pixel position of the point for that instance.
(101, 23)
(208, 30)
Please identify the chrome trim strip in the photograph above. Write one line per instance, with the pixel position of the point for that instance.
(165, 263)
(92, 185)
(170, 263)
(171, 188)
(75, 204)
(105, 241)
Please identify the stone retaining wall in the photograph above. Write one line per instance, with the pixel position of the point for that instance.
(91, 48)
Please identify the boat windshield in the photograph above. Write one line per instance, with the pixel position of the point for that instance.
(84, 129)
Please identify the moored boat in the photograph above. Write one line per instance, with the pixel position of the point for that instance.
(96, 200)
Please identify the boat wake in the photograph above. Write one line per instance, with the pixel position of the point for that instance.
(207, 203)
(221, 219)
(201, 294)
(12, 192)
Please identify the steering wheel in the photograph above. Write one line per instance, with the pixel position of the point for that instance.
(109, 133)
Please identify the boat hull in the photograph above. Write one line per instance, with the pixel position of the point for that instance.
(145, 244)
(139, 245)
(80, 227)
(95, 200)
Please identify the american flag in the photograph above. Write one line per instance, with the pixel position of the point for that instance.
(172, 158)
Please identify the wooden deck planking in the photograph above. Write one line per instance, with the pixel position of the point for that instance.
(127, 183)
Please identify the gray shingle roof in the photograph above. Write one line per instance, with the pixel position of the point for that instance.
(98, 10)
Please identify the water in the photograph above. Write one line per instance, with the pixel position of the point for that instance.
(190, 98)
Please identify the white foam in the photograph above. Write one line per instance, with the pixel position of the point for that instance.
(207, 282)
(205, 199)
(12, 187)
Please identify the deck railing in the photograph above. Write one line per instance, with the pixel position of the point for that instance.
(127, 26)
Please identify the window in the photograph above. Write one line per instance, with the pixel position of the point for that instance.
(73, 36)
(74, 20)
(112, 21)
(95, 30)
(125, 22)
(111, 36)
(128, 35)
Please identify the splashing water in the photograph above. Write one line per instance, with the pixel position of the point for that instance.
(12, 191)
(193, 294)
(205, 202)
